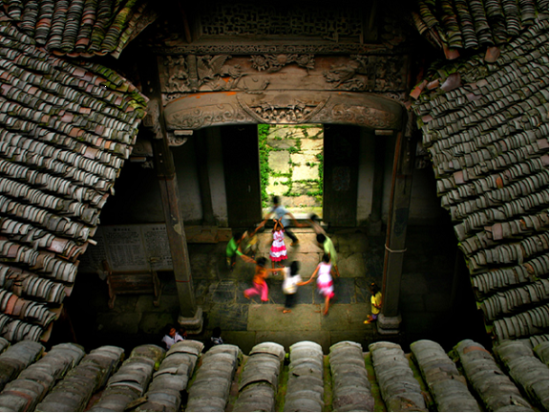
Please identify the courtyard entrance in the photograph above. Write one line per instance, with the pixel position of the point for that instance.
(291, 167)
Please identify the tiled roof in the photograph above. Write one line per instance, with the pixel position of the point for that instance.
(65, 131)
(468, 378)
(83, 28)
(485, 126)
(475, 24)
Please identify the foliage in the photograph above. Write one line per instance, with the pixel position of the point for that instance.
(265, 170)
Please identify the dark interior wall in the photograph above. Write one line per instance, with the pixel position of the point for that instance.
(425, 205)
(188, 182)
(137, 198)
(436, 300)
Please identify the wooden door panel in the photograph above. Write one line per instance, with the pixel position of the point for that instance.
(341, 168)
(242, 175)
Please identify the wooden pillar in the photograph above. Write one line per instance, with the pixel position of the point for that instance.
(398, 217)
(174, 227)
(190, 315)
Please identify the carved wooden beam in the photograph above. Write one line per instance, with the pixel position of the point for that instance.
(196, 111)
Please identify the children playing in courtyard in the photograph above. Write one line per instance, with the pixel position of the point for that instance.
(259, 285)
(324, 280)
(277, 252)
(249, 241)
(242, 242)
(280, 215)
(290, 285)
(328, 247)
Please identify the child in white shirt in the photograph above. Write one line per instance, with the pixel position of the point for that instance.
(290, 285)
(324, 280)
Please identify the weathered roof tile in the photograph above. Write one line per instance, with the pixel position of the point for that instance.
(491, 160)
(81, 27)
(64, 138)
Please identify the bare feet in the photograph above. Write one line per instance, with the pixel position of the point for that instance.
(246, 295)
(286, 311)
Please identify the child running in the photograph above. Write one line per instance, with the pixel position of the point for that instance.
(278, 248)
(324, 280)
(259, 286)
(233, 250)
(290, 285)
(249, 241)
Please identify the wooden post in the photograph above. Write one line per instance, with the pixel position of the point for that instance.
(190, 315)
(398, 217)
(175, 229)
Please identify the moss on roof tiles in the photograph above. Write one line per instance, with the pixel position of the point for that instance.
(488, 141)
(472, 24)
(64, 134)
(81, 27)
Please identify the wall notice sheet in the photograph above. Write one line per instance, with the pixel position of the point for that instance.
(129, 248)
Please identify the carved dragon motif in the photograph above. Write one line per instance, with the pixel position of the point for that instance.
(273, 63)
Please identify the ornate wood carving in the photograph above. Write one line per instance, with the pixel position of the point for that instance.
(257, 73)
(296, 107)
(274, 63)
(188, 74)
(243, 19)
(284, 108)
(368, 73)
(363, 116)
(253, 49)
(203, 116)
(152, 120)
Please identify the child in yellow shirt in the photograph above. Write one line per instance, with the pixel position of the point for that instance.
(375, 303)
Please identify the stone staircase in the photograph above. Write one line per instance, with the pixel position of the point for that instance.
(468, 378)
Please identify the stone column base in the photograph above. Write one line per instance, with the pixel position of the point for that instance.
(193, 325)
(388, 325)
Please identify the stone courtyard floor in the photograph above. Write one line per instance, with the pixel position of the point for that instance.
(254, 322)
(434, 304)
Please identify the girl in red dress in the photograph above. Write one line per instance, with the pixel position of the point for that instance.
(278, 247)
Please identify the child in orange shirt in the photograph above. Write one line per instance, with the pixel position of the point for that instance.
(259, 286)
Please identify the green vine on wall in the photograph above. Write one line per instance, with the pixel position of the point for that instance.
(265, 170)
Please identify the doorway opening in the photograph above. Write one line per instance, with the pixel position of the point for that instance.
(292, 167)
